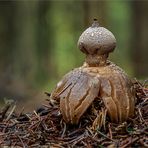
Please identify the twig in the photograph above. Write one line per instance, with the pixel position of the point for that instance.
(21, 112)
(21, 141)
(130, 142)
(11, 112)
(4, 111)
(62, 90)
(64, 130)
(141, 118)
(48, 94)
(105, 136)
(77, 141)
(110, 131)
(36, 115)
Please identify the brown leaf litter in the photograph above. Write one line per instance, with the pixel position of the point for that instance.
(45, 126)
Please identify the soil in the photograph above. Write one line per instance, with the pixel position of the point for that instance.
(45, 127)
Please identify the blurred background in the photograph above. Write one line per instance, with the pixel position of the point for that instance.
(38, 42)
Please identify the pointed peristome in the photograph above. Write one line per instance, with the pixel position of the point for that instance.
(95, 23)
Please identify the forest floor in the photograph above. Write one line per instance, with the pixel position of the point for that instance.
(45, 127)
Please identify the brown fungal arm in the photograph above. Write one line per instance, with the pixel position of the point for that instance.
(117, 94)
(91, 93)
(64, 84)
(106, 93)
(124, 92)
(76, 93)
(129, 98)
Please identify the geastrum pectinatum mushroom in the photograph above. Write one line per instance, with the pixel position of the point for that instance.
(97, 78)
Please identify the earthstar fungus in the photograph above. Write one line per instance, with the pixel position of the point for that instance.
(98, 78)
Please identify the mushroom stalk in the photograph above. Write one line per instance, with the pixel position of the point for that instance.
(96, 60)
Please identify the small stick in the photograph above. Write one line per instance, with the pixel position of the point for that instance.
(110, 131)
(21, 112)
(48, 94)
(11, 112)
(130, 142)
(141, 118)
(21, 141)
(4, 111)
(28, 116)
(105, 136)
(63, 90)
(64, 130)
(77, 141)
(104, 117)
(36, 114)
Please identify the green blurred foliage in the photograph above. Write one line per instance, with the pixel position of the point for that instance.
(38, 40)
(121, 13)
